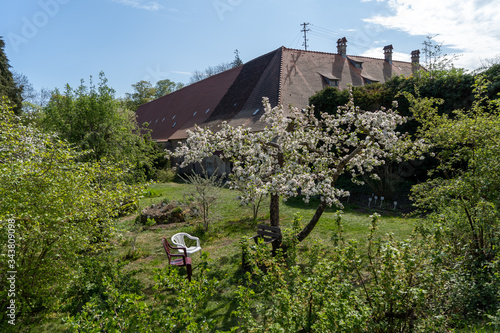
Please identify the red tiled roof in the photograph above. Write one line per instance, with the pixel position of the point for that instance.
(171, 115)
(285, 76)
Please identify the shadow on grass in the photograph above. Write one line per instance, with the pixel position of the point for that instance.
(351, 208)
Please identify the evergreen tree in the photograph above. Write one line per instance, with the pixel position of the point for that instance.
(8, 86)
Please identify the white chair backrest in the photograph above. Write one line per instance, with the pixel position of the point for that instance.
(179, 239)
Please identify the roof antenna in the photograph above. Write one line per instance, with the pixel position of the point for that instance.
(304, 30)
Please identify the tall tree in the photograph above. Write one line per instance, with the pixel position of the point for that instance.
(143, 93)
(165, 87)
(8, 86)
(237, 60)
(92, 119)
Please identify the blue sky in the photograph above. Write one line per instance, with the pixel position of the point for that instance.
(54, 42)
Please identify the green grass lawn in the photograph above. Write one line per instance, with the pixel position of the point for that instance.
(232, 223)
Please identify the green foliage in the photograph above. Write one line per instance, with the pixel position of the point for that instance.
(91, 282)
(63, 210)
(119, 311)
(462, 200)
(453, 87)
(93, 120)
(150, 222)
(8, 87)
(165, 87)
(492, 73)
(329, 99)
(395, 288)
(178, 306)
(166, 174)
(144, 92)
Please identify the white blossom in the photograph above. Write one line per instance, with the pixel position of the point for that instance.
(298, 153)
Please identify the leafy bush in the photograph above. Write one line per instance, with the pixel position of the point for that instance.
(462, 201)
(63, 211)
(90, 282)
(166, 175)
(92, 119)
(396, 288)
(178, 306)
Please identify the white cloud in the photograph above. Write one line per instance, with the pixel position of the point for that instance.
(471, 27)
(378, 52)
(141, 4)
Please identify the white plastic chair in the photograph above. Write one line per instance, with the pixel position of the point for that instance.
(178, 239)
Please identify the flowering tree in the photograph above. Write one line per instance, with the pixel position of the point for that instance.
(299, 153)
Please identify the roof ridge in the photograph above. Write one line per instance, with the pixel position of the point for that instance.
(331, 53)
(375, 58)
(211, 76)
(281, 77)
(308, 51)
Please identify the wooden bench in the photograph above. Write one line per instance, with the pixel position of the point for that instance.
(269, 235)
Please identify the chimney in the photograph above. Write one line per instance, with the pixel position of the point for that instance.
(342, 47)
(388, 53)
(415, 61)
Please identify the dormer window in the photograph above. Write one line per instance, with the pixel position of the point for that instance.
(330, 79)
(332, 83)
(367, 79)
(356, 64)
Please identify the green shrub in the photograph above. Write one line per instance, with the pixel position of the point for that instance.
(179, 305)
(166, 175)
(90, 282)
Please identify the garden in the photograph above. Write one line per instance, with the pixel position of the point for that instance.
(83, 238)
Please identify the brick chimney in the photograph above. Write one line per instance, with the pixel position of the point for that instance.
(342, 47)
(388, 53)
(415, 61)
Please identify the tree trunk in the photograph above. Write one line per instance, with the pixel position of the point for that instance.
(274, 210)
(314, 220)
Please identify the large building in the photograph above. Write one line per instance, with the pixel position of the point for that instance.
(286, 76)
